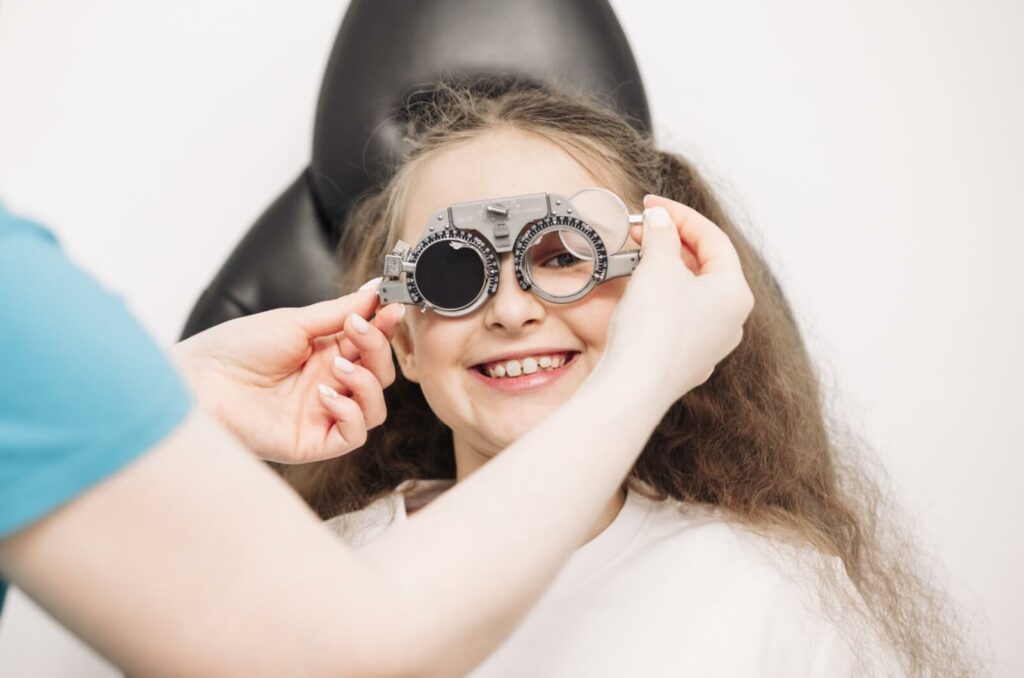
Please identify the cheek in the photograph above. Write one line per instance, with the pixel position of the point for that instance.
(591, 317)
(429, 341)
(436, 342)
(439, 346)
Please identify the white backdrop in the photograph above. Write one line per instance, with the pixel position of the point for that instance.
(874, 147)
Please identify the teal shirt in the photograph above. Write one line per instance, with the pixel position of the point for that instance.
(83, 390)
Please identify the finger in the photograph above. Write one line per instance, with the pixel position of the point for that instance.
(328, 317)
(374, 350)
(388, 318)
(372, 284)
(365, 389)
(660, 238)
(349, 429)
(714, 250)
(636, 234)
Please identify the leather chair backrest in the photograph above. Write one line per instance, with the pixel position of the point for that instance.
(385, 52)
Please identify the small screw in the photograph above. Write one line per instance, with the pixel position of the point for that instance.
(558, 202)
(568, 211)
(440, 217)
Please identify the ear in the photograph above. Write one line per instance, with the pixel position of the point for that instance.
(403, 345)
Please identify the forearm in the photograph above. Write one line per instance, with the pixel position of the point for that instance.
(197, 560)
(507, 529)
(218, 569)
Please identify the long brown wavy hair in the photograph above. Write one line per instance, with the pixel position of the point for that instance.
(757, 440)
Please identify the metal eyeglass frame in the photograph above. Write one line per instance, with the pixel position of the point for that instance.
(501, 225)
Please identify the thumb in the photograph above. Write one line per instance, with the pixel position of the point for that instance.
(387, 319)
(661, 238)
(328, 317)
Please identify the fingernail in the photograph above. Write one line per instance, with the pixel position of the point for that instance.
(371, 284)
(401, 311)
(359, 322)
(657, 217)
(345, 366)
(326, 390)
(649, 195)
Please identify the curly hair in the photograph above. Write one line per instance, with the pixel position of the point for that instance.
(756, 441)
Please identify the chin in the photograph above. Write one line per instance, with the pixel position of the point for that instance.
(516, 423)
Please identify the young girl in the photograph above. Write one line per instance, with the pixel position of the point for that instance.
(744, 542)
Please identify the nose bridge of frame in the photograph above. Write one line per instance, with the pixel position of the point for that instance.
(500, 221)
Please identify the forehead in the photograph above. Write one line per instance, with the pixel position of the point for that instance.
(496, 164)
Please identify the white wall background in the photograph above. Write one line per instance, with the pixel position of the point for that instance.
(876, 147)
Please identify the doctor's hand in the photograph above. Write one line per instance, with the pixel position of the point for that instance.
(684, 306)
(297, 384)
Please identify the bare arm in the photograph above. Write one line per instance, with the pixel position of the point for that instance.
(198, 560)
(507, 528)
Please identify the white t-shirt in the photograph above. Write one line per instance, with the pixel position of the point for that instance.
(666, 589)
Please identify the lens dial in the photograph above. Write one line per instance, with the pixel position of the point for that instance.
(454, 271)
(557, 273)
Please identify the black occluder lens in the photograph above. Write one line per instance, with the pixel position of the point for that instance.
(450, 277)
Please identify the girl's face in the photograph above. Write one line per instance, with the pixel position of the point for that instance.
(456, 361)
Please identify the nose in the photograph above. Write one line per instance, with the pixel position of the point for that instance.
(512, 309)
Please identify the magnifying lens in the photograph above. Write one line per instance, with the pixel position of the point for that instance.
(607, 214)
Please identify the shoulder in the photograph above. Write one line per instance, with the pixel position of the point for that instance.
(795, 602)
(763, 563)
(760, 554)
(359, 528)
(87, 389)
(12, 228)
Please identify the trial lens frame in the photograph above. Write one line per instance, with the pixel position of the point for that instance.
(497, 226)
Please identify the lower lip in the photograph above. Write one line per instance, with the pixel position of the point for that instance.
(525, 382)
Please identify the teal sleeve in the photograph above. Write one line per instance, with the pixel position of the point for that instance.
(85, 390)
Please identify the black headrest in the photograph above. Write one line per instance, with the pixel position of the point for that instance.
(387, 51)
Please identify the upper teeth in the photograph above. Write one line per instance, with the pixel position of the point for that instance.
(515, 368)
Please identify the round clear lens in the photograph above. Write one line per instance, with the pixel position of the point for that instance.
(556, 269)
(450, 274)
(606, 214)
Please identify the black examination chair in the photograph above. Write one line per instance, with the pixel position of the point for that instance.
(387, 50)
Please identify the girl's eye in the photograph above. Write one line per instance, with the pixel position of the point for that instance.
(562, 260)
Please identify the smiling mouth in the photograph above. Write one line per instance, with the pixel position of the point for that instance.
(525, 366)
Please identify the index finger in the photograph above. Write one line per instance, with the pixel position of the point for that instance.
(715, 252)
(374, 349)
(386, 320)
(328, 317)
